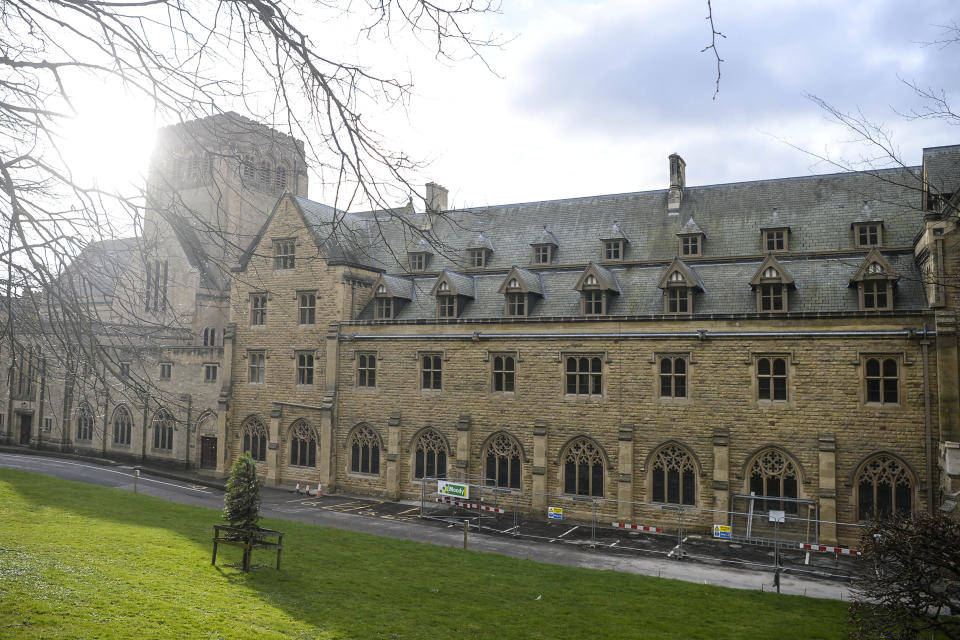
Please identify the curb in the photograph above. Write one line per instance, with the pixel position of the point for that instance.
(52, 453)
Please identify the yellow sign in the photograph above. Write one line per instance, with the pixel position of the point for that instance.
(721, 531)
(555, 513)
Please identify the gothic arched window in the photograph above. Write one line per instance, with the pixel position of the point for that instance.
(303, 445)
(502, 462)
(255, 438)
(85, 423)
(583, 469)
(673, 476)
(163, 430)
(774, 475)
(430, 455)
(365, 451)
(122, 426)
(884, 487)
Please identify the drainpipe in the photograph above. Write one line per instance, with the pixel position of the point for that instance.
(143, 440)
(928, 427)
(43, 389)
(186, 455)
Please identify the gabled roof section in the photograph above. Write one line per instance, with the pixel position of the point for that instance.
(867, 270)
(774, 221)
(528, 280)
(605, 278)
(396, 287)
(481, 242)
(614, 233)
(340, 237)
(691, 228)
(420, 246)
(691, 276)
(770, 261)
(460, 285)
(546, 237)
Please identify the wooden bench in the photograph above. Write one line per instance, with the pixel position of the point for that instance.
(248, 540)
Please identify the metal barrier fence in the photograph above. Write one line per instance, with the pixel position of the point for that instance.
(678, 531)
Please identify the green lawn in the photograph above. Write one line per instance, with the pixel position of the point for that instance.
(80, 561)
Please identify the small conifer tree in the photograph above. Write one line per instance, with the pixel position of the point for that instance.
(242, 500)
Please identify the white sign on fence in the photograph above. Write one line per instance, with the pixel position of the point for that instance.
(777, 516)
(455, 489)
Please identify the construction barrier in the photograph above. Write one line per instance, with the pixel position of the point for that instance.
(636, 527)
(822, 547)
(470, 505)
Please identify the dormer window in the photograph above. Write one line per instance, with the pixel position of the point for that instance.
(613, 250)
(868, 234)
(614, 244)
(874, 281)
(389, 294)
(418, 262)
(776, 240)
(545, 247)
(690, 246)
(452, 291)
(595, 287)
(542, 254)
(772, 285)
(477, 258)
(446, 303)
(519, 290)
(678, 283)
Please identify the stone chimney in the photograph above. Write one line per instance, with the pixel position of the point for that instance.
(678, 180)
(436, 198)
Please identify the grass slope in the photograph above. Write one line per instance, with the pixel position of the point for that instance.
(81, 561)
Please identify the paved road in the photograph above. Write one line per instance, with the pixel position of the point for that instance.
(399, 520)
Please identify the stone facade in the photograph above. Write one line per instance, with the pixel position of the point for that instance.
(685, 347)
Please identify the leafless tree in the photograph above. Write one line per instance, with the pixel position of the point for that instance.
(189, 59)
(910, 580)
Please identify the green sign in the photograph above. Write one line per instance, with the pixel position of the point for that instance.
(453, 489)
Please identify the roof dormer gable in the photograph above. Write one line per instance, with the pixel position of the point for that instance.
(597, 277)
(771, 272)
(874, 267)
(545, 237)
(521, 281)
(680, 274)
(393, 287)
(454, 284)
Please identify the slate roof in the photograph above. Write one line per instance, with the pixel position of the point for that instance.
(818, 210)
(101, 264)
(942, 167)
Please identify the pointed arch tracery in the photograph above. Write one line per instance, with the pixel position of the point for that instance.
(365, 447)
(303, 444)
(430, 454)
(673, 475)
(885, 486)
(583, 465)
(502, 461)
(772, 473)
(254, 433)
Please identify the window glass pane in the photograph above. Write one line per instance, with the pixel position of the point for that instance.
(865, 500)
(491, 469)
(503, 471)
(665, 386)
(763, 388)
(658, 485)
(779, 367)
(763, 367)
(904, 497)
(569, 477)
(681, 365)
(680, 387)
(515, 473)
(508, 382)
(756, 485)
(890, 391)
(365, 458)
(583, 479)
(689, 488)
(884, 498)
(597, 479)
(873, 390)
(420, 464)
(666, 365)
(673, 486)
(779, 388)
(873, 367)
(442, 464)
(890, 368)
(431, 464)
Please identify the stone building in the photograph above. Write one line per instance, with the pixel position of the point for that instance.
(158, 302)
(793, 339)
(786, 338)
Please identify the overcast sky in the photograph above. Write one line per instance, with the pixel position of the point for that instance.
(593, 96)
(590, 98)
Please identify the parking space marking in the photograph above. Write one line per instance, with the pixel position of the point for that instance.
(366, 505)
(564, 533)
(409, 510)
